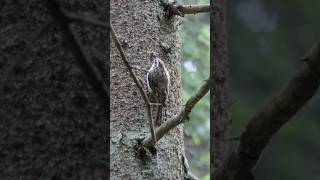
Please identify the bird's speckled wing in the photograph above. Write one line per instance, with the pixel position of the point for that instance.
(152, 81)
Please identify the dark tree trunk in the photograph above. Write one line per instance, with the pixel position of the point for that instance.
(52, 126)
(219, 91)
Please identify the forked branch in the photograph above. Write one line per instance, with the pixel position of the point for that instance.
(94, 78)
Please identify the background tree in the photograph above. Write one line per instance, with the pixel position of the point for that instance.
(266, 39)
(260, 40)
(52, 126)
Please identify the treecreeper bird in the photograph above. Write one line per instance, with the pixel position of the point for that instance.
(158, 82)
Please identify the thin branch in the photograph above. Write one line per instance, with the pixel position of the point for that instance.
(132, 74)
(172, 8)
(269, 119)
(82, 58)
(181, 117)
(189, 9)
(86, 19)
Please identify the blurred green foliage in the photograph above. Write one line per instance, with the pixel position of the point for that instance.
(195, 39)
(265, 39)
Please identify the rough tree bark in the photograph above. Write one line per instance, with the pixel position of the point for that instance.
(141, 27)
(52, 126)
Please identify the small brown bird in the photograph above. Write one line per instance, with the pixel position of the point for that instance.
(158, 82)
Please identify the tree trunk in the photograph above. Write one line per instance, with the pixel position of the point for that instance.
(141, 26)
(52, 126)
(219, 96)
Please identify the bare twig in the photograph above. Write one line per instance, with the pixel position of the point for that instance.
(82, 58)
(183, 115)
(86, 19)
(143, 93)
(172, 8)
(269, 119)
(189, 9)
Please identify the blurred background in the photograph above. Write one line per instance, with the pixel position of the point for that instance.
(265, 39)
(195, 39)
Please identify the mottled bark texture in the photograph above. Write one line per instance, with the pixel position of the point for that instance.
(219, 90)
(52, 126)
(141, 26)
